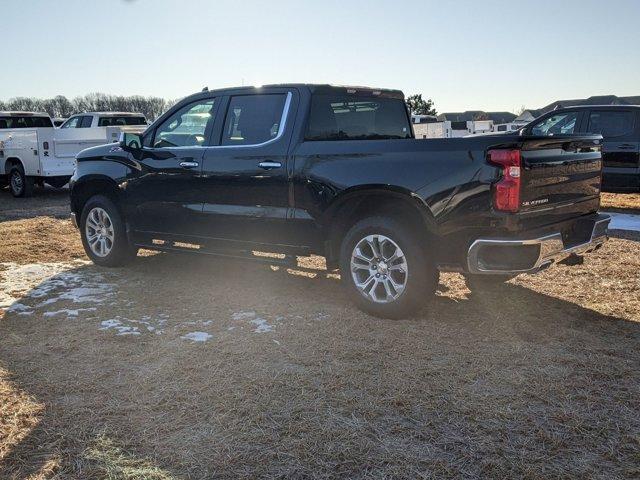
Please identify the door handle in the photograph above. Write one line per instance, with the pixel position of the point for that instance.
(269, 165)
(189, 164)
(626, 146)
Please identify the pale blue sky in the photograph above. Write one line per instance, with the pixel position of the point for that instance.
(465, 54)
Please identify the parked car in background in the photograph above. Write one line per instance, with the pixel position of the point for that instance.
(619, 126)
(336, 171)
(33, 151)
(104, 119)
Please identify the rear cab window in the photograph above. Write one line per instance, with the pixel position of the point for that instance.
(26, 121)
(121, 121)
(365, 116)
(611, 123)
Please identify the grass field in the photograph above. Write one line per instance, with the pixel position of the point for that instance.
(184, 367)
(624, 203)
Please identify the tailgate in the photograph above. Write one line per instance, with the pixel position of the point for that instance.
(561, 173)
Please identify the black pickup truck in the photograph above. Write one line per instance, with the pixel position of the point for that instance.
(336, 171)
(619, 126)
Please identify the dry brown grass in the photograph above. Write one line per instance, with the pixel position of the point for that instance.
(537, 379)
(40, 239)
(622, 202)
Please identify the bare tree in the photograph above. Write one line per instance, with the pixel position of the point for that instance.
(61, 106)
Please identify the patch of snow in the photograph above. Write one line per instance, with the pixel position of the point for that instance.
(51, 283)
(197, 336)
(261, 325)
(115, 324)
(106, 324)
(69, 312)
(243, 315)
(624, 221)
(20, 308)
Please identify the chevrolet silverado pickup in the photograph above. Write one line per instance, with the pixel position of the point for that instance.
(336, 171)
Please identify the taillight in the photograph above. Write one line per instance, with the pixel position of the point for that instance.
(506, 193)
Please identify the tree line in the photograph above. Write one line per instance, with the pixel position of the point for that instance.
(150, 107)
(61, 106)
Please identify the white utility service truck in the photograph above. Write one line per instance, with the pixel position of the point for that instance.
(33, 151)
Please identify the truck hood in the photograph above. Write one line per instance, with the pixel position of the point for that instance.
(101, 151)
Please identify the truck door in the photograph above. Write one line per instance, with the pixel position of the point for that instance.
(621, 146)
(165, 192)
(245, 177)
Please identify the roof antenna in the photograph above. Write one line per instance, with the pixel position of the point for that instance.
(205, 89)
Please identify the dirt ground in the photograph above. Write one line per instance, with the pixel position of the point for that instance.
(621, 202)
(188, 367)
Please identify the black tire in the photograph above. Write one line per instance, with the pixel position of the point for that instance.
(479, 283)
(121, 251)
(19, 184)
(421, 276)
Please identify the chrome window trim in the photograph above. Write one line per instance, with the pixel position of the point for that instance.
(283, 124)
(281, 129)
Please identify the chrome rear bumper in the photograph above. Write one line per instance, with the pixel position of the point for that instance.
(531, 255)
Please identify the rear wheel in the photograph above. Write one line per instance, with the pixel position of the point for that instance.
(104, 235)
(19, 184)
(386, 270)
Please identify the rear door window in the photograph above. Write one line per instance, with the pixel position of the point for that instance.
(253, 119)
(85, 122)
(611, 123)
(346, 117)
(557, 124)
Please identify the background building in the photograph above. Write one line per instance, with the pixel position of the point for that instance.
(531, 114)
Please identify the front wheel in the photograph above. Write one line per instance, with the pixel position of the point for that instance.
(387, 271)
(104, 235)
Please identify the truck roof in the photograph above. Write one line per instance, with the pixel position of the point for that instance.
(17, 113)
(113, 114)
(587, 107)
(313, 87)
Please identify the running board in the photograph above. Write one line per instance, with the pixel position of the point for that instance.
(287, 261)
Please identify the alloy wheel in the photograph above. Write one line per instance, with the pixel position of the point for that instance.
(379, 268)
(99, 232)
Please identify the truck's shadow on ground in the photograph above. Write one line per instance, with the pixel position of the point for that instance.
(506, 383)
